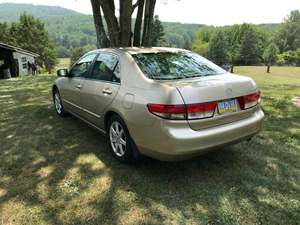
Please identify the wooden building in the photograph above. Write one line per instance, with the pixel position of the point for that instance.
(15, 61)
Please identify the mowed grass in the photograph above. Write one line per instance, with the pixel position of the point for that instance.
(60, 171)
(63, 63)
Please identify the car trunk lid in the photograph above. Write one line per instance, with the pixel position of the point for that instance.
(223, 89)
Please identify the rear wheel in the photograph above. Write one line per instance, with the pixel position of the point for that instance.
(59, 108)
(119, 140)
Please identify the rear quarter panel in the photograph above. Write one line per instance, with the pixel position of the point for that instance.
(135, 93)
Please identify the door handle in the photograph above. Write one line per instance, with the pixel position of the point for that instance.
(78, 86)
(107, 91)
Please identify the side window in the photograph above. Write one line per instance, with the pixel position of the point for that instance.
(81, 68)
(106, 68)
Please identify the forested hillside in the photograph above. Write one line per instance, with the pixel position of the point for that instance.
(70, 29)
(12, 12)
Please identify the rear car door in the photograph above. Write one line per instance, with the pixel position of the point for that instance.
(71, 88)
(100, 87)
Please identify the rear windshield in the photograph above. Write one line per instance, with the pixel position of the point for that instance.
(171, 66)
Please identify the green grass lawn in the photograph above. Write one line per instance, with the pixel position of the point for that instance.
(59, 171)
(63, 63)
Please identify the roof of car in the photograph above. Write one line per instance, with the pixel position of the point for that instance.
(136, 50)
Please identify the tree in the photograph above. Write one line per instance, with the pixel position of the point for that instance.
(249, 50)
(233, 55)
(288, 38)
(148, 18)
(270, 54)
(218, 48)
(102, 40)
(119, 32)
(30, 34)
(138, 23)
(157, 36)
(80, 51)
(50, 58)
(187, 44)
(63, 52)
(297, 53)
(233, 38)
(202, 39)
(5, 34)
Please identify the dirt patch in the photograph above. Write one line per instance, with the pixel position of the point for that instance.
(296, 101)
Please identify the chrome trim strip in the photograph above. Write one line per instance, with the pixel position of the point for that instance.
(72, 104)
(103, 81)
(89, 123)
(83, 109)
(91, 113)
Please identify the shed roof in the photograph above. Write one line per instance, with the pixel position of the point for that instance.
(16, 49)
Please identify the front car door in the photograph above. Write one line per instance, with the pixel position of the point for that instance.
(101, 87)
(71, 88)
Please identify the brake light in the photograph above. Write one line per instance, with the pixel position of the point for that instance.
(182, 112)
(201, 110)
(172, 112)
(249, 101)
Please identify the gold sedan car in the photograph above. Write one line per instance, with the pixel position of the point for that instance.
(166, 103)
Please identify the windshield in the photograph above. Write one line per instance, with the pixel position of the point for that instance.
(170, 66)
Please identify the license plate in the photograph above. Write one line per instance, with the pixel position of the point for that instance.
(228, 106)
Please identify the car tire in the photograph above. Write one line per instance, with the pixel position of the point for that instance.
(58, 106)
(120, 142)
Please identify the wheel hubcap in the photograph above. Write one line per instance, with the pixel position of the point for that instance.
(58, 105)
(117, 138)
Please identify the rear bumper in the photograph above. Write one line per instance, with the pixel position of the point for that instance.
(170, 141)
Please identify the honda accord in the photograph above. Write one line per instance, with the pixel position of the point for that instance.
(166, 103)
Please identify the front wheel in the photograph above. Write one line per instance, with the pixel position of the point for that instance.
(119, 140)
(59, 108)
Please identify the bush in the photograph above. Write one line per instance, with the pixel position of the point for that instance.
(289, 58)
(280, 60)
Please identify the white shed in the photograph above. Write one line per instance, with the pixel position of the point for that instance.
(14, 61)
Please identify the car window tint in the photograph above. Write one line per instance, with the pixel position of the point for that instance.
(106, 68)
(181, 65)
(81, 68)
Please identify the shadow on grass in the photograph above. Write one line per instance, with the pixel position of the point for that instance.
(59, 171)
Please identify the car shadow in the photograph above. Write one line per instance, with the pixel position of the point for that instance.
(60, 170)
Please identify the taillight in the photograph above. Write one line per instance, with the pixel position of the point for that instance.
(181, 112)
(249, 101)
(201, 110)
(172, 112)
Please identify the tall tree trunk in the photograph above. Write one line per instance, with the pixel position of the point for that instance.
(102, 40)
(138, 24)
(125, 22)
(148, 22)
(108, 8)
(232, 68)
(268, 68)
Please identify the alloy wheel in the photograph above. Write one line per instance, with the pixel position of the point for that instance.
(57, 102)
(117, 138)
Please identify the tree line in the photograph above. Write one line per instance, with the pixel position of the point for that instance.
(244, 44)
(247, 44)
(68, 37)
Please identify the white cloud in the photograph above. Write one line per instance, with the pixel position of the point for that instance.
(212, 12)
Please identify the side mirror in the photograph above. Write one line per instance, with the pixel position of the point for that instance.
(63, 73)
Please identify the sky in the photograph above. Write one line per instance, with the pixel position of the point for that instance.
(209, 12)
